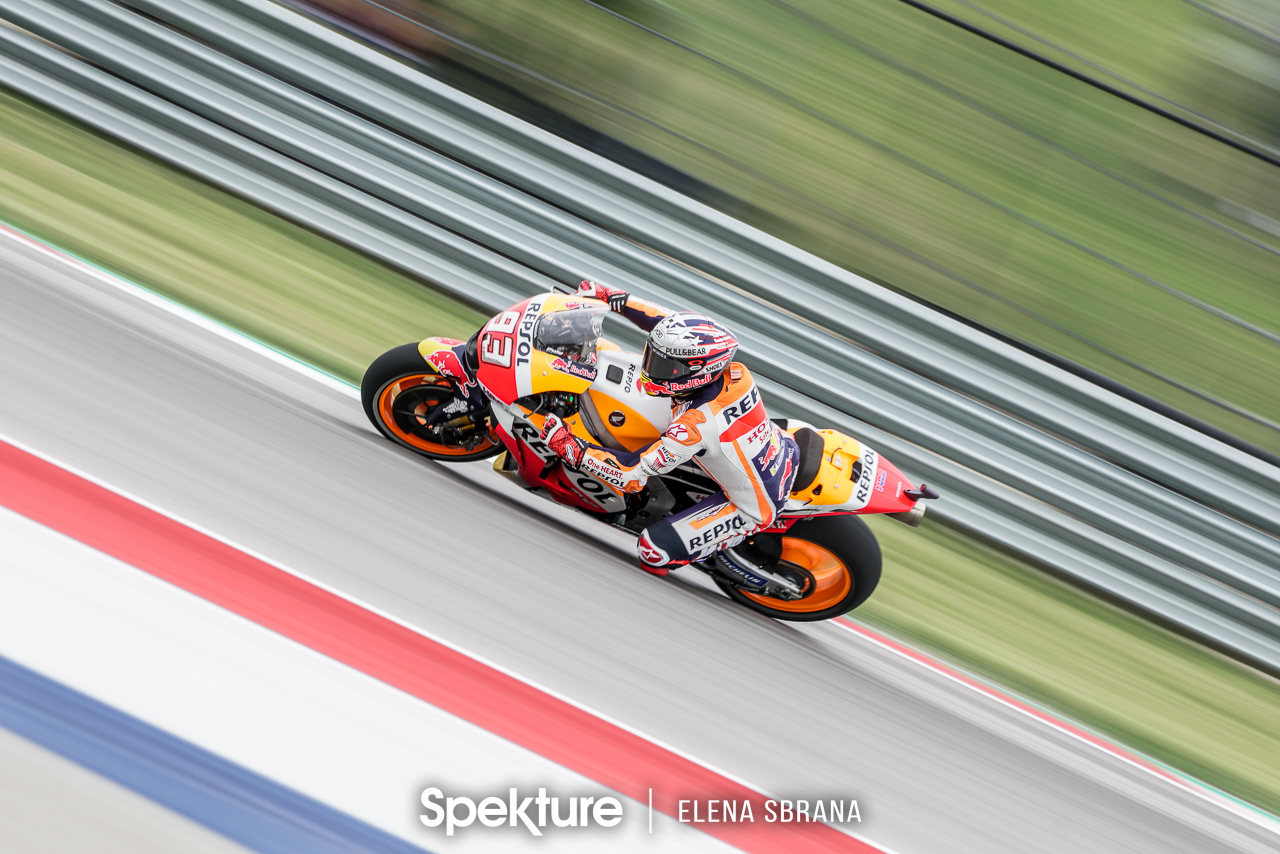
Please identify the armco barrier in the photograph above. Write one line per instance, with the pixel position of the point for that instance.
(601, 192)
(487, 207)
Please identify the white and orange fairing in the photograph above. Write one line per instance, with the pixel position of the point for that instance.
(510, 367)
(729, 436)
(725, 429)
(851, 478)
(612, 412)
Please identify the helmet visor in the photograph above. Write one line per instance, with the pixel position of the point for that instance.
(660, 368)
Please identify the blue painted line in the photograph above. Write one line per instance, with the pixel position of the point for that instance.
(233, 801)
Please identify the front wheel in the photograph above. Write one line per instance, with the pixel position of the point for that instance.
(400, 389)
(838, 559)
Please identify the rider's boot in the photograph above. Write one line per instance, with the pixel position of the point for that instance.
(652, 559)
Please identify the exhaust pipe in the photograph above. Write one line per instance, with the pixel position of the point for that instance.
(504, 465)
(910, 517)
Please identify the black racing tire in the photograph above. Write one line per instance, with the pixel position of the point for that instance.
(396, 392)
(843, 541)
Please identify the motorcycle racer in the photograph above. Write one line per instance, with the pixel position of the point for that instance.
(718, 420)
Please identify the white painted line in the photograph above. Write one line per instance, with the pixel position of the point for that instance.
(183, 312)
(1184, 782)
(270, 704)
(309, 371)
(1130, 757)
(314, 373)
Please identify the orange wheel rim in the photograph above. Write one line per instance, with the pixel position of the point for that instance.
(391, 416)
(832, 580)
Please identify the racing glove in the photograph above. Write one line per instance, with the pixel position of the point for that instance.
(567, 446)
(616, 298)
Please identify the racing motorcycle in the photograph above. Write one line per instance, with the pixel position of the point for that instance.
(457, 401)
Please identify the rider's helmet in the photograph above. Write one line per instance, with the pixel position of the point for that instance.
(685, 352)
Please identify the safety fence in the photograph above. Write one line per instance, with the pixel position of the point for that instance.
(812, 203)
(328, 132)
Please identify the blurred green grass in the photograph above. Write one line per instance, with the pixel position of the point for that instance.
(1049, 642)
(1153, 690)
(227, 258)
(814, 178)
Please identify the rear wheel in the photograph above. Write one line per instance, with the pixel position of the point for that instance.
(400, 389)
(834, 559)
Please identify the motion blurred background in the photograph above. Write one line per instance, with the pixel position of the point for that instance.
(895, 143)
(942, 164)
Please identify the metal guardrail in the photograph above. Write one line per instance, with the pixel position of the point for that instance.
(490, 208)
(600, 192)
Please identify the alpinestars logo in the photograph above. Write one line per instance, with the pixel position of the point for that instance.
(649, 553)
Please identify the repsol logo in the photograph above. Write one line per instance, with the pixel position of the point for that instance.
(631, 375)
(527, 433)
(597, 492)
(524, 334)
(735, 411)
(589, 485)
(868, 474)
(608, 475)
(719, 529)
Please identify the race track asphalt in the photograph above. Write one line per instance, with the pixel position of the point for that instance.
(277, 463)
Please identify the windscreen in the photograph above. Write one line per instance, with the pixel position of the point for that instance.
(571, 334)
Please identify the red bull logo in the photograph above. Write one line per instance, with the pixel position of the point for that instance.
(770, 453)
(449, 365)
(573, 369)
